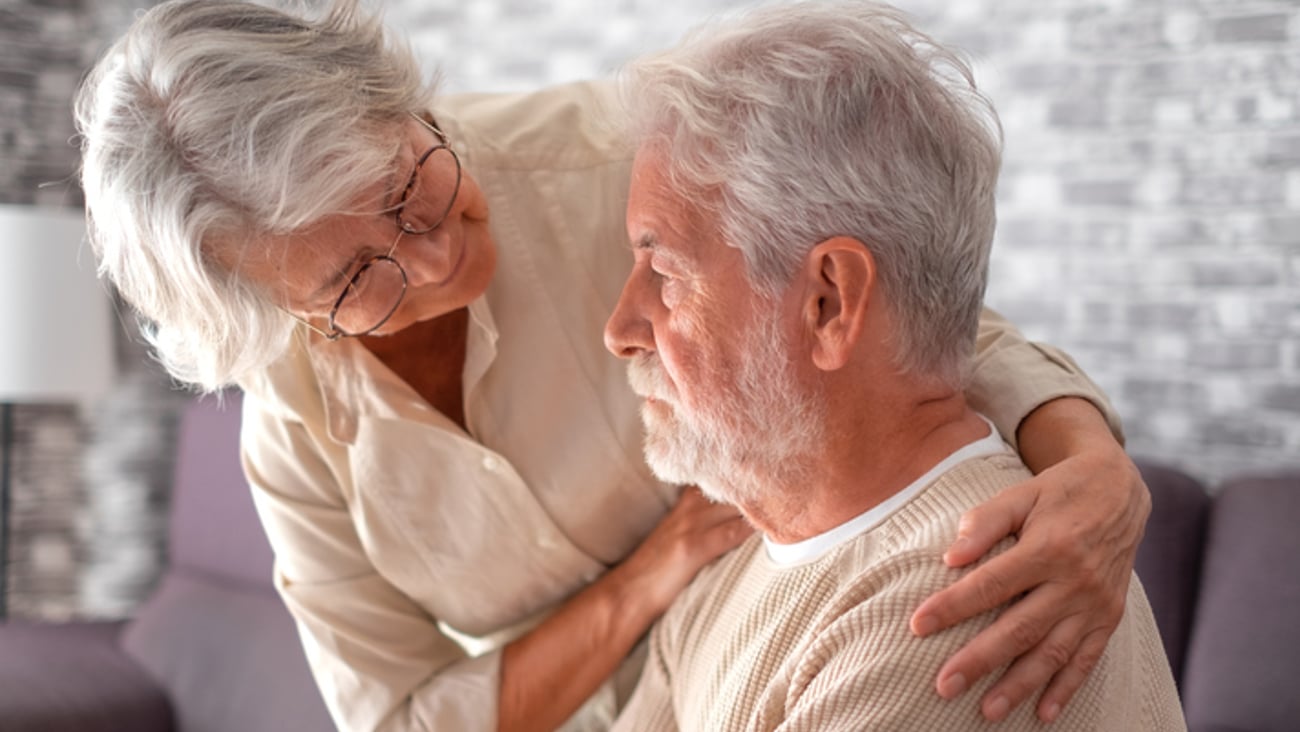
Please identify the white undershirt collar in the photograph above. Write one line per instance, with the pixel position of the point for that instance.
(814, 548)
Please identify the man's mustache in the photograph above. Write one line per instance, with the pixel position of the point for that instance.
(647, 377)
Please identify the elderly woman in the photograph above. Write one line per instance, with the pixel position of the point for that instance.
(411, 294)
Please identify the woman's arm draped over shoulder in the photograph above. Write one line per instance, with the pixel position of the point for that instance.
(1013, 377)
(1079, 522)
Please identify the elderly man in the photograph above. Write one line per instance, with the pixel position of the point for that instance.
(812, 208)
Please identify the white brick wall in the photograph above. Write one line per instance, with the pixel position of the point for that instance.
(1150, 203)
(1150, 218)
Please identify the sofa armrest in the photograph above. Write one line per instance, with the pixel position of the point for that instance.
(1241, 661)
(75, 677)
(1170, 555)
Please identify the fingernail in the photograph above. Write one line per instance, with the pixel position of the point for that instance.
(926, 625)
(953, 686)
(956, 552)
(997, 709)
(1052, 712)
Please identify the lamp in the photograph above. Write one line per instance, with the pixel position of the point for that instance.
(55, 328)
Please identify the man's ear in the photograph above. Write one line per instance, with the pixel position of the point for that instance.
(840, 274)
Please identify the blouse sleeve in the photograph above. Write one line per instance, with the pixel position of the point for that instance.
(380, 660)
(1013, 376)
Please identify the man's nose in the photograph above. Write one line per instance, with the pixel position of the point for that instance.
(628, 331)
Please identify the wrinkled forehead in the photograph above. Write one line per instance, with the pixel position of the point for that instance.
(677, 222)
(296, 263)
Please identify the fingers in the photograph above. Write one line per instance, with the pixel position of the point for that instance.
(1052, 638)
(1078, 530)
(1019, 629)
(695, 532)
(719, 526)
(725, 536)
(690, 498)
(1033, 670)
(1070, 679)
(695, 510)
(991, 585)
(987, 524)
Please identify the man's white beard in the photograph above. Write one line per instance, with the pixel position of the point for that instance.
(760, 432)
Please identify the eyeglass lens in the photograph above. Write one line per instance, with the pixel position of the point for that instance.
(373, 296)
(377, 288)
(431, 192)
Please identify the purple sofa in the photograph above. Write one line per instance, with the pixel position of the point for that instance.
(1223, 577)
(212, 650)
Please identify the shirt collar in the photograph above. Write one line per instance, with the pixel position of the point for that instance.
(355, 384)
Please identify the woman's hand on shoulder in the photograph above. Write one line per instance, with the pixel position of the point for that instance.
(1079, 523)
(695, 532)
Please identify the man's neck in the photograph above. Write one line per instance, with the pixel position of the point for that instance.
(865, 465)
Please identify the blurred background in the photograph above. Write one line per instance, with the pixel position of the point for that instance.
(1149, 225)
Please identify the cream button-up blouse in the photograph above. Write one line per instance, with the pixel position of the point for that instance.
(408, 550)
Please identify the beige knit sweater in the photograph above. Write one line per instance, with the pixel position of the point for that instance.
(825, 646)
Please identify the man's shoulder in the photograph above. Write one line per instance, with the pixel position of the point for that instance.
(565, 126)
(927, 522)
(904, 553)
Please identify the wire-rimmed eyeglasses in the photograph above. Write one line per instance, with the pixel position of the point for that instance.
(376, 290)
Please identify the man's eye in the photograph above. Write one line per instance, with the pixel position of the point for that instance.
(670, 289)
(661, 278)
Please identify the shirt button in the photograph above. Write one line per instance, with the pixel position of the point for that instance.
(491, 464)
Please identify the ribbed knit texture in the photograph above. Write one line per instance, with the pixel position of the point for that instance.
(826, 645)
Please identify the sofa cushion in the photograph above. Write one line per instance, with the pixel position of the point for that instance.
(74, 678)
(228, 655)
(1241, 661)
(214, 527)
(1169, 558)
(214, 633)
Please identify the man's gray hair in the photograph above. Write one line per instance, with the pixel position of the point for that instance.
(804, 121)
(213, 123)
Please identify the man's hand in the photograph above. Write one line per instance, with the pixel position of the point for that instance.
(1079, 522)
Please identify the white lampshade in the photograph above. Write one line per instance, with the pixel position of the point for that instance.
(56, 322)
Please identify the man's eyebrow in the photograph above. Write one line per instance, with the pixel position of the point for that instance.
(649, 242)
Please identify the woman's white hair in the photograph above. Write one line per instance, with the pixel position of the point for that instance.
(214, 123)
(803, 121)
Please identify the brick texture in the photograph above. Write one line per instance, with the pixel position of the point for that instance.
(1150, 200)
(40, 57)
(1149, 208)
(88, 481)
(1166, 134)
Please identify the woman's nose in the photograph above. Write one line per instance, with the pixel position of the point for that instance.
(429, 258)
